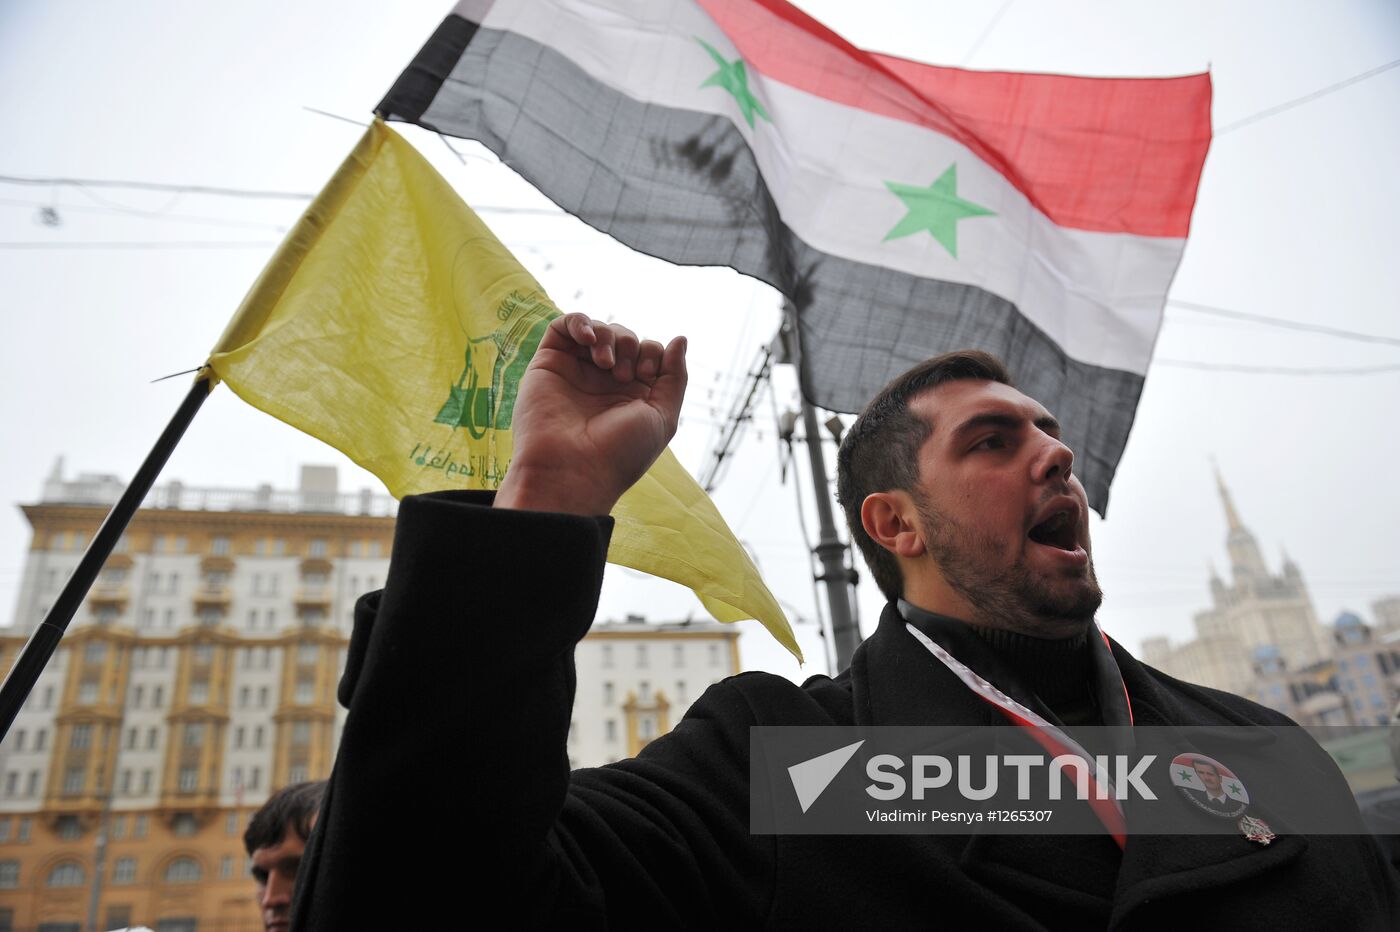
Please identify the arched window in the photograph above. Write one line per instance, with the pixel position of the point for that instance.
(183, 870)
(67, 874)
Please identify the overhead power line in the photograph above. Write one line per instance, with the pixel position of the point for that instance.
(158, 186)
(1284, 323)
(1276, 370)
(161, 244)
(1297, 101)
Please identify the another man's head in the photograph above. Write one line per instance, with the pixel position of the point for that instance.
(1209, 776)
(275, 839)
(962, 498)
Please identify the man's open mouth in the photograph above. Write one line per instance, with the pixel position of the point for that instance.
(1059, 530)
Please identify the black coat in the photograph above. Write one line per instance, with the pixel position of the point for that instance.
(452, 787)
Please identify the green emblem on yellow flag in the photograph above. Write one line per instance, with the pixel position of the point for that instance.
(394, 326)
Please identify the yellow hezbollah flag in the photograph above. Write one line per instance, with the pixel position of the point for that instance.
(394, 326)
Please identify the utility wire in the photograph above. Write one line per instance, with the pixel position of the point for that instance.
(1297, 101)
(986, 32)
(1275, 370)
(158, 186)
(149, 214)
(166, 244)
(1286, 324)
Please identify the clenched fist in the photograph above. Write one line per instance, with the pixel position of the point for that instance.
(596, 408)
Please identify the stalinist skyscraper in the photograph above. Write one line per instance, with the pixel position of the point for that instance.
(1257, 609)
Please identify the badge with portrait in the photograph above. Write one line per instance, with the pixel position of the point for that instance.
(1214, 789)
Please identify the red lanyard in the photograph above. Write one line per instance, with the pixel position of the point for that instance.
(1102, 799)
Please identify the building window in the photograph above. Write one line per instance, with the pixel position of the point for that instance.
(714, 655)
(301, 734)
(257, 736)
(19, 740)
(67, 874)
(31, 785)
(119, 823)
(87, 692)
(296, 773)
(219, 546)
(226, 867)
(203, 653)
(307, 653)
(607, 694)
(607, 655)
(199, 692)
(262, 697)
(126, 783)
(118, 916)
(271, 620)
(189, 779)
(184, 825)
(152, 737)
(255, 777)
(169, 623)
(141, 822)
(231, 824)
(41, 738)
(610, 729)
(4, 829)
(94, 651)
(374, 548)
(317, 547)
(641, 656)
(645, 689)
(238, 734)
(306, 691)
(124, 871)
(69, 828)
(26, 824)
(194, 735)
(145, 791)
(73, 780)
(138, 696)
(210, 616)
(183, 870)
(81, 737)
(243, 693)
(158, 697)
(12, 783)
(680, 691)
(677, 655)
(9, 875)
(48, 697)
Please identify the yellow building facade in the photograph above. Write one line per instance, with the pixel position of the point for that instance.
(199, 675)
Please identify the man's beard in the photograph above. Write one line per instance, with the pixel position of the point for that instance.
(1015, 598)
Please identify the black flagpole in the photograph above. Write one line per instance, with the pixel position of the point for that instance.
(44, 641)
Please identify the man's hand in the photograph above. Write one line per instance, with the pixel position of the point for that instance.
(596, 408)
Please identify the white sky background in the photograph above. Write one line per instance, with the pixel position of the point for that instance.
(1296, 219)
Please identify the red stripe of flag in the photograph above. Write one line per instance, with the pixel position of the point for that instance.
(1111, 155)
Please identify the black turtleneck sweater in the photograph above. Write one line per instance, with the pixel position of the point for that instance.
(1059, 672)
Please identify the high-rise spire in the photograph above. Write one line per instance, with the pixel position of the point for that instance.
(1245, 559)
(1232, 517)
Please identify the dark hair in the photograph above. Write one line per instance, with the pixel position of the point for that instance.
(880, 451)
(289, 809)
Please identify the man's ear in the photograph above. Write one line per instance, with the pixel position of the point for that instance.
(890, 520)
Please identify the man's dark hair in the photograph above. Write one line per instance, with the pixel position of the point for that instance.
(880, 451)
(290, 808)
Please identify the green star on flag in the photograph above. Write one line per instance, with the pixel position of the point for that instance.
(1184, 774)
(734, 78)
(936, 208)
(1234, 789)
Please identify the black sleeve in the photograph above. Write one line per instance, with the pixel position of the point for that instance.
(451, 788)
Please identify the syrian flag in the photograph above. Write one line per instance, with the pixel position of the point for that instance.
(904, 209)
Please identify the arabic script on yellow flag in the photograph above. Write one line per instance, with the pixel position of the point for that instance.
(394, 326)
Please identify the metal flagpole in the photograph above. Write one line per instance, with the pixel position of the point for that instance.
(42, 643)
(836, 575)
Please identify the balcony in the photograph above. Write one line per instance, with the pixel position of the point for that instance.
(215, 596)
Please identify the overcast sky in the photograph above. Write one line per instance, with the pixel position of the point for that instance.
(1296, 219)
